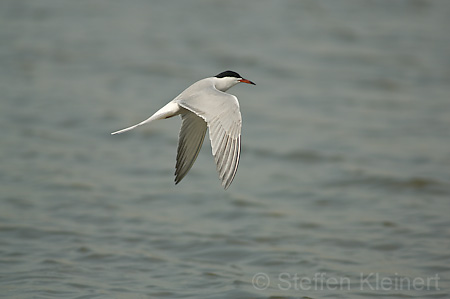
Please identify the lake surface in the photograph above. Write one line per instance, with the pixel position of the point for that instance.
(343, 190)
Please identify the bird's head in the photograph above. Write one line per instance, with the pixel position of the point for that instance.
(228, 79)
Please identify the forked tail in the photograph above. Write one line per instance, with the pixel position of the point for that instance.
(169, 110)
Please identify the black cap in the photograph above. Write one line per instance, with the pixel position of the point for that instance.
(228, 74)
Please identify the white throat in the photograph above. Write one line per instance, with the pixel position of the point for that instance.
(223, 84)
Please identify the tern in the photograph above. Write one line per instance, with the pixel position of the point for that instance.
(205, 104)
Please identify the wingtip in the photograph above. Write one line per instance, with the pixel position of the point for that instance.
(226, 184)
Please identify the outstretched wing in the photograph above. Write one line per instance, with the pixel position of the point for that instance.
(221, 113)
(192, 134)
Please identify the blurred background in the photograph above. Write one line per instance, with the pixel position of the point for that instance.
(345, 166)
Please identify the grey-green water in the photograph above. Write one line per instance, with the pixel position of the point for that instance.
(344, 183)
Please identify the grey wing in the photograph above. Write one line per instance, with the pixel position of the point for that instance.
(221, 112)
(192, 134)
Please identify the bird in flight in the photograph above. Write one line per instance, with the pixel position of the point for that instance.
(205, 104)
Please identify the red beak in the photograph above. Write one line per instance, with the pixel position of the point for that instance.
(247, 81)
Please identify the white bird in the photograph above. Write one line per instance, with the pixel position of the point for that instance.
(205, 104)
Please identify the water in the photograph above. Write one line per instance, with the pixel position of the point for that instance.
(344, 182)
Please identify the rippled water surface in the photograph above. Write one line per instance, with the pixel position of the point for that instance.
(344, 183)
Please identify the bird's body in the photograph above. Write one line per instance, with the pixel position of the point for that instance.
(205, 104)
